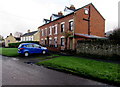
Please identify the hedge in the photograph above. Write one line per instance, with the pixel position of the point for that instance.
(15, 45)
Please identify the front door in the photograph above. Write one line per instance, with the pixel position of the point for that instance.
(71, 43)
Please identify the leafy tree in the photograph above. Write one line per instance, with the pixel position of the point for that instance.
(66, 34)
(115, 35)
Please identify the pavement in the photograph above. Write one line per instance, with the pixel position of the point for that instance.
(15, 71)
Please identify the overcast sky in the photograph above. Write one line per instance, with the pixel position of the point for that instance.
(21, 15)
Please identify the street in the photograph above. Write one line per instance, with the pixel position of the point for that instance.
(16, 72)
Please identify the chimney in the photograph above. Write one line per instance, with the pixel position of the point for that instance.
(60, 13)
(29, 31)
(72, 7)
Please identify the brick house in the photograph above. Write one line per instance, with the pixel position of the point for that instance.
(82, 23)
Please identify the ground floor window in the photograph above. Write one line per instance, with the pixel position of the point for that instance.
(62, 42)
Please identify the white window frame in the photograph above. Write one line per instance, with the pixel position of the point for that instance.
(42, 32)
(62, 43)
(50, 30)
(56, 29)
(63, 27)
(71, 20)
(86, 11)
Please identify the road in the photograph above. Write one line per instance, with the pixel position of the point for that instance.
(16, 72)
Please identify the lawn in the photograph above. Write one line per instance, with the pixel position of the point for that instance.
(107, 72)
(9, 51)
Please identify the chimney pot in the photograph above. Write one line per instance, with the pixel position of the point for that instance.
(60, 13)
(29, 31)
(72, 7)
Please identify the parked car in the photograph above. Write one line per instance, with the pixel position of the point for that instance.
(31, 48)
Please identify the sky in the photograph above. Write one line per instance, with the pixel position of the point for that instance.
(21, 15)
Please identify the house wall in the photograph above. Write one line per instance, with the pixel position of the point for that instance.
(27, 38)
(97, 26)
(97, 22)
(9, 39)
(36, 36)
(59, 34)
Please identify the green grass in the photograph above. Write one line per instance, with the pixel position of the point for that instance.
(94, 69)
(9, 51)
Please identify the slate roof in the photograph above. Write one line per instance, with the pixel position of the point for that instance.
(57, 15)
(69, 8)
(73, 13)
(89, 36)
(17, 38)
(29, 34)
(46, 20)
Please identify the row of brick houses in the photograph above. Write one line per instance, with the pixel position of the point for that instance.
(79, 24)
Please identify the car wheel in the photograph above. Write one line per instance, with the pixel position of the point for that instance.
(26, 54)
(43, 52)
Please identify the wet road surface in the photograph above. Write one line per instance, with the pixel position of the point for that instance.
(16, 72)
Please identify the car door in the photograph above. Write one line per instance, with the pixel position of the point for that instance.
(37, 48)
(30, 48)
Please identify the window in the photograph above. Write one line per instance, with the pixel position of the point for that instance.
(71, 25)
(29, 45)
(50, 30)
(46, 31)
(62, 42)
(62, 27)
(42, 32)
(50, 41)
(8, 40)
(36, 46)
(55, 29)
(55, 41)
(86, 11)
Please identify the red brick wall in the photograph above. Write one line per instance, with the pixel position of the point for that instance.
(58, 22)
(97, 23)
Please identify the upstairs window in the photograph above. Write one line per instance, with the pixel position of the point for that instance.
(86, 11)
(71, 25)
(42, 32)
(50, 30)
(55, 29)
(62, 27)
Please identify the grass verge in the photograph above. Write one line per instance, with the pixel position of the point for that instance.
(9, 51)
(103, 71)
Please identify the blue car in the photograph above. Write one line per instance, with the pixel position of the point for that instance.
(31, 48)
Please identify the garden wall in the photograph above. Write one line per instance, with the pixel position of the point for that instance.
(98, 48)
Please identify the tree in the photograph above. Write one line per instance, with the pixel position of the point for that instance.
(115, 35)
(66, 34)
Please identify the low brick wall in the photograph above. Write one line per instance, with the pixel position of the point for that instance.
(100, 49)
(54, 49)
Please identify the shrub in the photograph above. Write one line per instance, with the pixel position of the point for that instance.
(15, 45)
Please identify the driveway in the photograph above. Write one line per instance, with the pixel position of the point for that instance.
(16, 72)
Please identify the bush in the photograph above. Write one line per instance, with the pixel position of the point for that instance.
(115, 35)
(15, 45)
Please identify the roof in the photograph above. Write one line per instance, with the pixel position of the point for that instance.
(89, 36)
(29, 34)
(17, 38)
(69, 8)
(57, 15)
(72, 13)
(46, 20)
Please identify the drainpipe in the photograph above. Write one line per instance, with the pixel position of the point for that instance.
(89, 21)
(74, 31)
